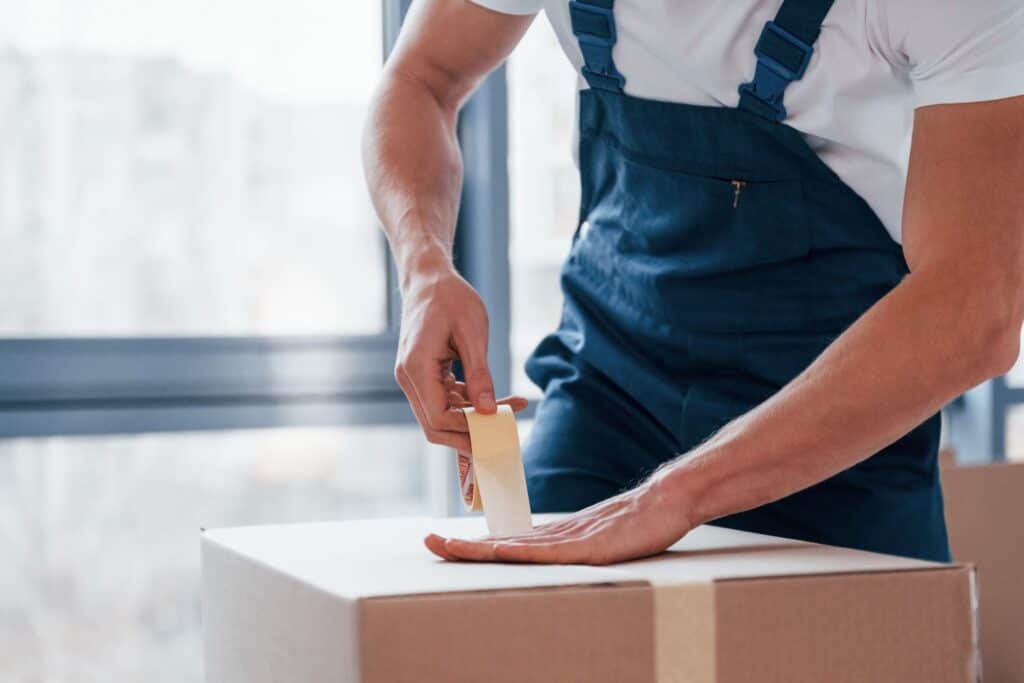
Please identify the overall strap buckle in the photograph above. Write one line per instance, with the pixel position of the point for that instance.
(781, 59)
(594, 28)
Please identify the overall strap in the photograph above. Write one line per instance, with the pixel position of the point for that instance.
(593, 24)
(783, 52)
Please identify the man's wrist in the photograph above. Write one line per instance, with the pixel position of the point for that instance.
(688, 485)
(675, 495)
(425, 258)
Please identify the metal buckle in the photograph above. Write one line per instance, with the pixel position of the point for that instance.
(577, 7)
(778, 67)
(772, 76)
(616, 76)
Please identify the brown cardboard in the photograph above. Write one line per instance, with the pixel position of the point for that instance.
(365, 602)
(985, 517)
(875, 626)
(561, 634)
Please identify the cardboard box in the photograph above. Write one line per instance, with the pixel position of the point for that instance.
(985, 517)
(365, 601)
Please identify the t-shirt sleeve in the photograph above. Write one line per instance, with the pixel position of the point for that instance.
(956, 50)
(512, 6)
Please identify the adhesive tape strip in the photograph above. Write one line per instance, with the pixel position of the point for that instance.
(684, 632)
(493, 478)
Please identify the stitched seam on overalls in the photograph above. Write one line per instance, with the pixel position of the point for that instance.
(700, 170)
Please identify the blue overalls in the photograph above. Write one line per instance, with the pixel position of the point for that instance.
(717, 256)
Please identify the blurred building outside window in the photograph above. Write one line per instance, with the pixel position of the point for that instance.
(1015, 414)
(187, 168)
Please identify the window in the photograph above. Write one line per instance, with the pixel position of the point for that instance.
(987, 423)
(187, 239)
(1009, 393)
(1015, 432)
(544, 188)
(185, 245)
(100, 577)
(187, 168)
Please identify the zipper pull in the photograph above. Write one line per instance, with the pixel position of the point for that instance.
(739, 185)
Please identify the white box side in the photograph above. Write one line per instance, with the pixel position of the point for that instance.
(263, 626)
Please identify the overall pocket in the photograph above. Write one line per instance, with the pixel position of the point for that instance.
(700, 225)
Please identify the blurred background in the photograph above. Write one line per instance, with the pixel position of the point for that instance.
(197, 314)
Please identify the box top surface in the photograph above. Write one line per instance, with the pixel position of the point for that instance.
(378, 558)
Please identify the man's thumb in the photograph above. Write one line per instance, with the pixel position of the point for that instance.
(481, 388)
(479, 384)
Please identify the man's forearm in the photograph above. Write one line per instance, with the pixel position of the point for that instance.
(410, 148)
(954, 322)
(414, 172)
(926, 342)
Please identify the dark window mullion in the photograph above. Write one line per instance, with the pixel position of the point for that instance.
(394, 15)
(482, 241)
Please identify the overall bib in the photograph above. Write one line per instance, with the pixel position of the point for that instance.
(717, 256)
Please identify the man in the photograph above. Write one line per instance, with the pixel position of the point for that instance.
(764, 310)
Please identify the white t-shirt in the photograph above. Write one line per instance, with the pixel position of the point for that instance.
(876, 60)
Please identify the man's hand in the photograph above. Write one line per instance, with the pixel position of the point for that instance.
(443, 320)
(637, 523)
(414, 174)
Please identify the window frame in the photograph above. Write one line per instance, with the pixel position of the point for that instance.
(53, 386)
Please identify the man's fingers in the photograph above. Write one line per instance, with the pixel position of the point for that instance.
(473, 551)
(455, 386)
(535, 538)
(560, 552)
(458, 396)
(458, 440)
(517, 403)
(556, 552)
(429, 386)
(435, 544)
(480, 388)
(455, 430)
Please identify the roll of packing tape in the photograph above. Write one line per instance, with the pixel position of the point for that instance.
(492, 479)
